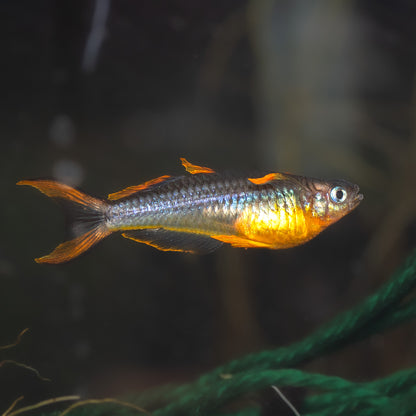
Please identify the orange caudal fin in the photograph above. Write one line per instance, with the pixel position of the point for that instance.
(86, 217)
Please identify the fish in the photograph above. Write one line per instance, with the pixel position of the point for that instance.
(202, 210)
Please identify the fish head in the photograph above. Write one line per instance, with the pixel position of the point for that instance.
(331, 200)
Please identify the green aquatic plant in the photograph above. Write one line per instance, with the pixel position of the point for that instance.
(390, 306)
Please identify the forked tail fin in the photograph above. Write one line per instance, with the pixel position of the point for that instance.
(86, 219)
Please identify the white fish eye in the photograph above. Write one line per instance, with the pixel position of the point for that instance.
(338, 194)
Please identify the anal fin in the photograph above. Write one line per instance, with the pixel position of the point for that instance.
(167, 240)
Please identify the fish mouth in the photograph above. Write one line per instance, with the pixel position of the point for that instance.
(358, 197)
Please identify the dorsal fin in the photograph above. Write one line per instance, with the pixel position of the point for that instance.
(135, 188)
(193, 169)
(267, 178)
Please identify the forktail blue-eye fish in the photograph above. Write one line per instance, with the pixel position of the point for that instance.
(202, 210)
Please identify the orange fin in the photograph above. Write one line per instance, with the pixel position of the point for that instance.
(167, 240)
(267, 178)
(240, 241)
(153, 244)
(55, 189)
(87, 219)
(193, 169)
(73, 248)
(136, 188)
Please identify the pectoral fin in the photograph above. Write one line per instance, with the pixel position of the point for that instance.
(193, 169)
(167, 240)
(240, 241)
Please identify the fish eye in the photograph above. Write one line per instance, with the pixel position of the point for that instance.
(338, 194)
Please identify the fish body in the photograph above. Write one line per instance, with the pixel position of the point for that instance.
(199, 212)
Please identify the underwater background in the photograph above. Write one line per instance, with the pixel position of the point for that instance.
(106, 94)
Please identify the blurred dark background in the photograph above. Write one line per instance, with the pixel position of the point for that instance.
(106, 94)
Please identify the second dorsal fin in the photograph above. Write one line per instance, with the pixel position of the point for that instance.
(194, 169)
(136, 188)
